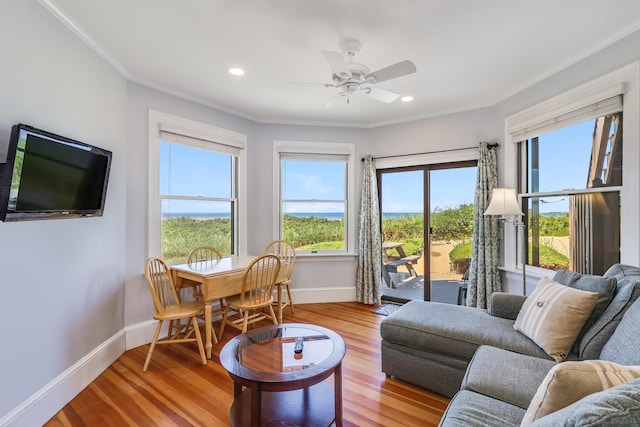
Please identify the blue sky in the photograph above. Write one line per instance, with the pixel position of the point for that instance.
(564, 161)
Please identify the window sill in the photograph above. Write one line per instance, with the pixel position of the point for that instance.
(535, 272)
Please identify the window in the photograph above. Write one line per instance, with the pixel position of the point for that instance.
(195, 201)
(570, 187)
(600, 97)
(314, 191)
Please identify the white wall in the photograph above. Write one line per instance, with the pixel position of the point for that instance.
(62, 280)
(453, 131)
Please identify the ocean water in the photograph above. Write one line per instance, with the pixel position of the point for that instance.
(328, 215)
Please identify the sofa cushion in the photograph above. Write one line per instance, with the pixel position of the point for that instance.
(604, 286)
(624, 346)
(615, 407)
(628, 291)
(553, 315)
(453, 331)
(569, 382)
(469, 409)
(511, 377)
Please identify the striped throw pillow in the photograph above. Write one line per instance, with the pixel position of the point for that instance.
(553, 315)
(569, 382)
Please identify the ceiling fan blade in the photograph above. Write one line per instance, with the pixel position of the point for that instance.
(335, 100)
(337, 63)
(392, 71)
(381, 94)
(308, 84)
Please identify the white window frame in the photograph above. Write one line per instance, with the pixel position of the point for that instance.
(625, 81)
(330, 148)
(159, 121)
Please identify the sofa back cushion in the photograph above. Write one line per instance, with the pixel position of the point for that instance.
(604, 286)
(624, 345)
(553, 315)
(628, 291)
(622, 271)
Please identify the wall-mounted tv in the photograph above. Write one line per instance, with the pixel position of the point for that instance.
(49, 176)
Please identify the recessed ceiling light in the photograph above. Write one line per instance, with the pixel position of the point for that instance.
(407, 98)
(236, 71)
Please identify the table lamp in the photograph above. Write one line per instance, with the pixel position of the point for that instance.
(505, 204)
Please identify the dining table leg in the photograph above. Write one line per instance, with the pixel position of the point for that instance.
(207, 328)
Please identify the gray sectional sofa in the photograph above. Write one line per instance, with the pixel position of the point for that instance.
(493, 371)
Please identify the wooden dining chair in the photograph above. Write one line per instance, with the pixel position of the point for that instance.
(254, 302)
(168, 306)
(202, 257)
(287, 255)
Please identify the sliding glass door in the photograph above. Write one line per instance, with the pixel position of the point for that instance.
(451, 198)
(425, 256)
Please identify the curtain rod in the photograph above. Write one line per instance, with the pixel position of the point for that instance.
(492, 145)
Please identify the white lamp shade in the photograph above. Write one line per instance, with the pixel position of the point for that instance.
(503, 202)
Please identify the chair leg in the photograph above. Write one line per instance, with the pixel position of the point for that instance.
(279, 285)
(289, 296)
(273, 315)
(203, 356)
(225, 313)
(245, 322)
(152, 347)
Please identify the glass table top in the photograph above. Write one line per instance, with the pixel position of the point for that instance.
(266, 355)
(272, 349)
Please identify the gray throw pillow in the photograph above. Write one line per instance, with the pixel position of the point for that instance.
(615, 407)
(604, 286)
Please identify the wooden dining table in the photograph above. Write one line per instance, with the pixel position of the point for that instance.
(219, 279)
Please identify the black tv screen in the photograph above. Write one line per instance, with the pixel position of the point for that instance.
(51, 176)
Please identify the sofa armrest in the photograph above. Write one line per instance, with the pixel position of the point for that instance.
(505, 305)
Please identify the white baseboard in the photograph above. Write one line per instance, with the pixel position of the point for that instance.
(142, 333)
(44, 404)
(320, 295)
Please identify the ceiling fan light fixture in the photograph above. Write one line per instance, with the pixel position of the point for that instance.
(236, 71)
(407, 98)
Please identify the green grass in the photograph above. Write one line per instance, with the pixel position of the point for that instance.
(181, 235)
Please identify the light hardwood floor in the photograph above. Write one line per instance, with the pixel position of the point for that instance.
(178, 391)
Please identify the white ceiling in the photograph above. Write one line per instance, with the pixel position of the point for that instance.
(468, 53)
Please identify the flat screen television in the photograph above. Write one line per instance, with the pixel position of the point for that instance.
(49, 176)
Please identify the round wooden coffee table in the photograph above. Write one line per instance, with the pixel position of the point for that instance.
(273, 385)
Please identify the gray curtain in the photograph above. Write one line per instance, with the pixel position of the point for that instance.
(368, 279)
(484, 276)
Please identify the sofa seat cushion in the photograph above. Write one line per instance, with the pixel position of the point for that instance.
(454, 331)
(615, 407)
(569, 382)
(470, 409)
(511, 377)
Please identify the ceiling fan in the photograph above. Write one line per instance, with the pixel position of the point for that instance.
(353, 78)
